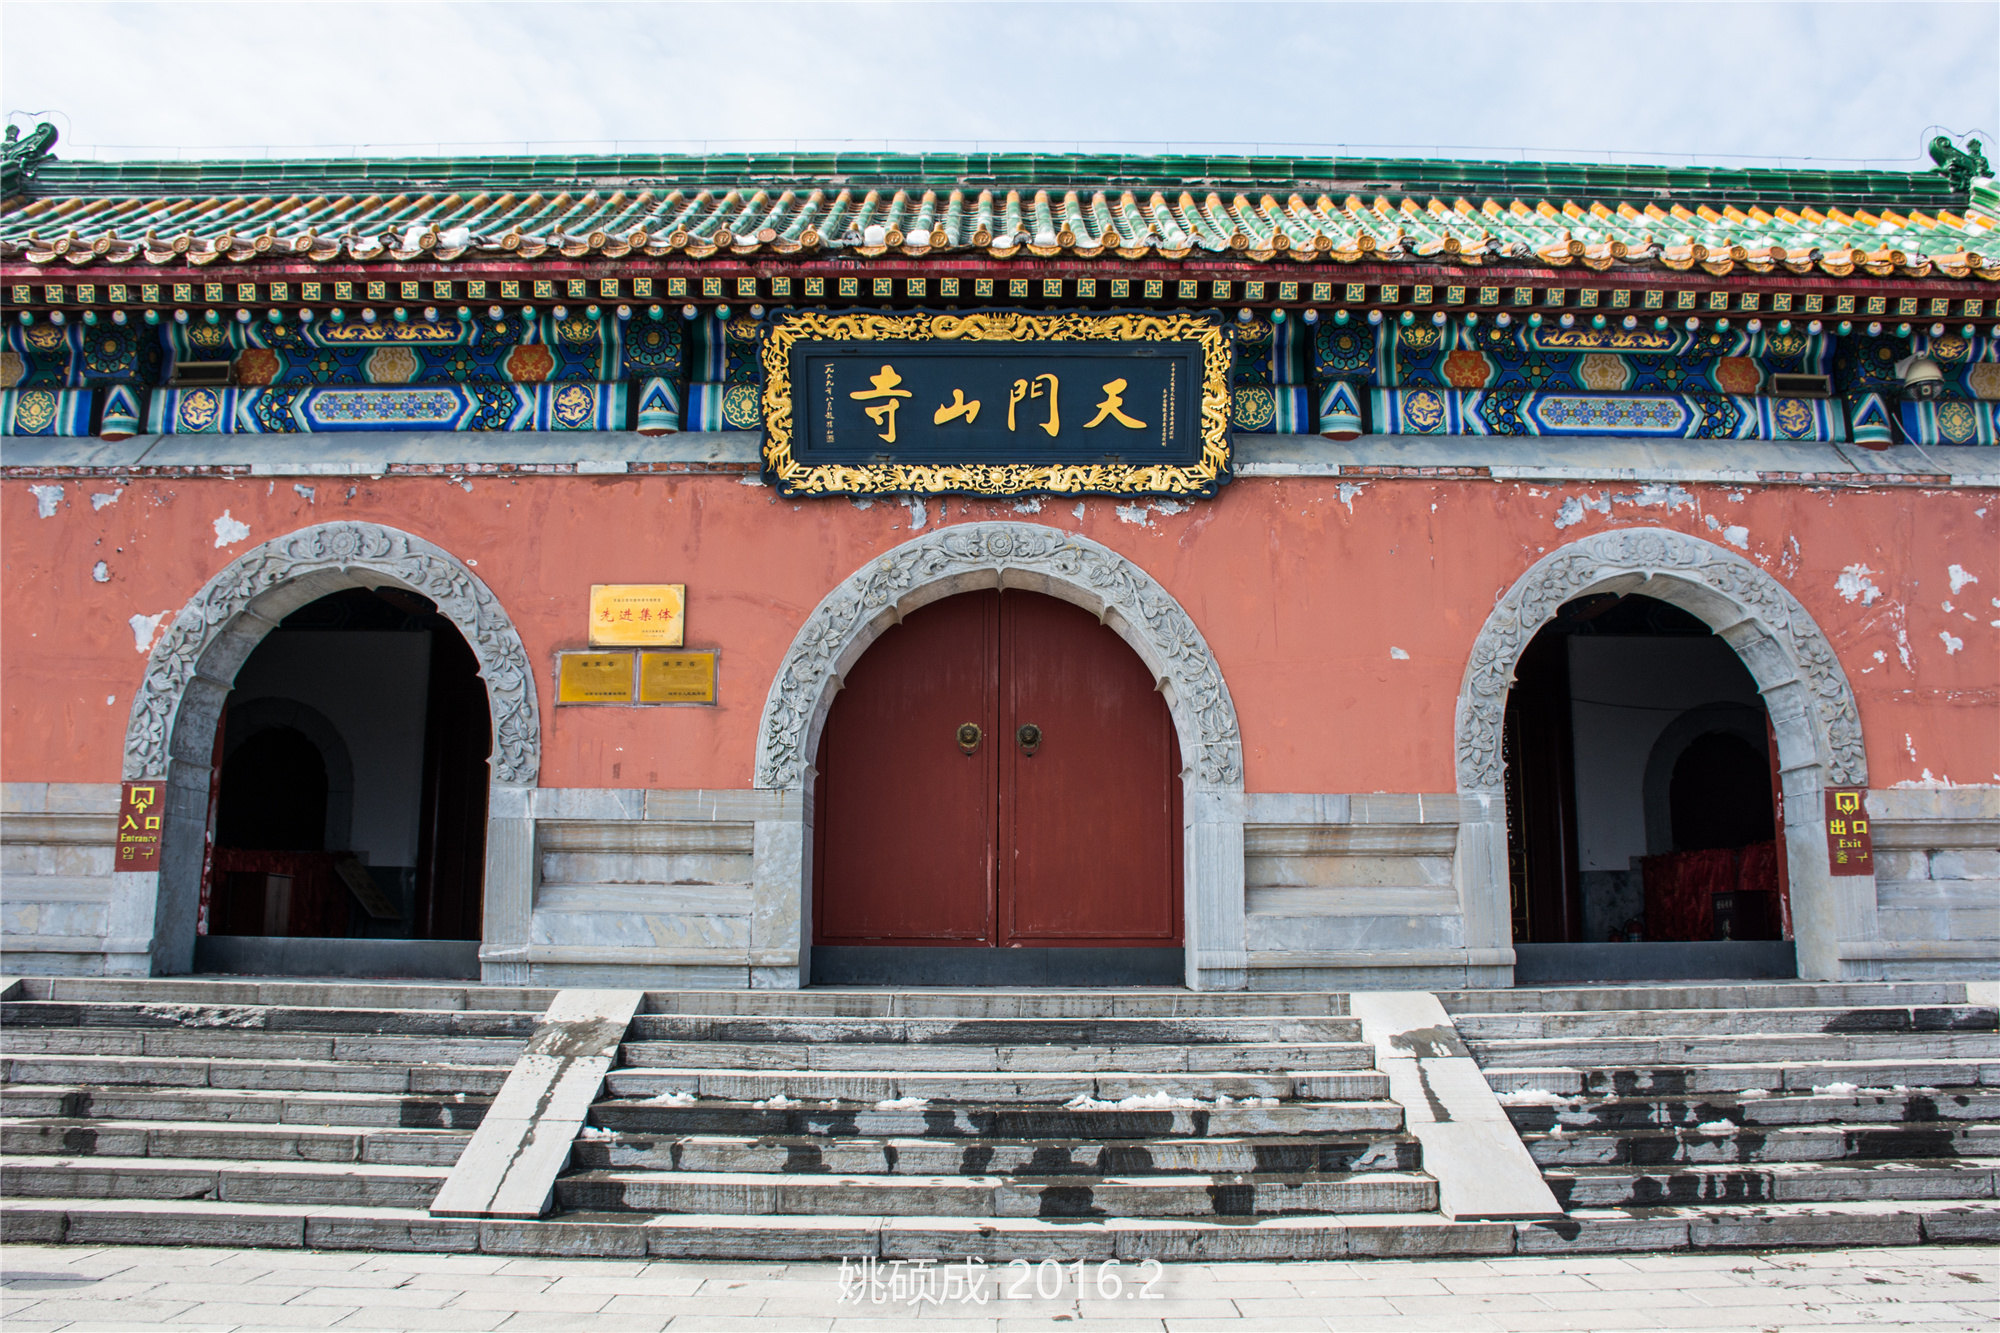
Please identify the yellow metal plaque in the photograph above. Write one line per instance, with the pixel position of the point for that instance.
(676, 678)
(652, 614)
(593, 678)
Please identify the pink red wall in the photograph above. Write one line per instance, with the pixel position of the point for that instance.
(1342, 614)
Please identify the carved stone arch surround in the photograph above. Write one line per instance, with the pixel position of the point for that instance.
(191, 670)
(1812, 707)
(1034, 558)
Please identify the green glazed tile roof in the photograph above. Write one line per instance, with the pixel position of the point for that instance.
(473, 210)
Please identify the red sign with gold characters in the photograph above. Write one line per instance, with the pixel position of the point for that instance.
(1850, 847)
(139, 820)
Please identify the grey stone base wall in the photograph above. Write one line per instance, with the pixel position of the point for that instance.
(709, 889)
(1937, 885)
(58, 893)
(1361, 892)
(637, 888)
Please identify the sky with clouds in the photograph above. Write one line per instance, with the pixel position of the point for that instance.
(1604, 81)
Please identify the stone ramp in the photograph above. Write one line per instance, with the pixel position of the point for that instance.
(1750, 1115)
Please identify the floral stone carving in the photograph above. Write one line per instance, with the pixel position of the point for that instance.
(1171, 643)
(356, 550)
(1565, 573)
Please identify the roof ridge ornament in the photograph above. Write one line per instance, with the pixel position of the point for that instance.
(1960, 166)
(23, 156)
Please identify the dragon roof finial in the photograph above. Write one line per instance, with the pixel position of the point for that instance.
(1960, 166)
(23, 156)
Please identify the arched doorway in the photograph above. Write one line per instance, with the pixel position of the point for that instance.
(176, 735)
(998, 801)
(1815, 725)
(1023, 557)
(350, 800)
(1642, 802)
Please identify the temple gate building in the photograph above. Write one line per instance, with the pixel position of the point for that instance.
(760, 572)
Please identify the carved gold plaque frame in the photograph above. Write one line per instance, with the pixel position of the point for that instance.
(794, 477)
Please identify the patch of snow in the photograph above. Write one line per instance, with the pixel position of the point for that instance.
(903, 1104)
(1751, 1094)
(777, 1103)
(1835, 1089)
(1959, 578)
(206, 1015)
(681, 1098)
(1533, 1097)
(1854, 584)
(1717, 1127)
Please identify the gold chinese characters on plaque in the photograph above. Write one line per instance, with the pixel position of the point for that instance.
(676, 678)
(650, 615)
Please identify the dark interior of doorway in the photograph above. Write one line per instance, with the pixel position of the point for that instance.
(349, 799)
(1705, 895)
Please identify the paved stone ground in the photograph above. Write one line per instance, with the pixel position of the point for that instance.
(124, 1288)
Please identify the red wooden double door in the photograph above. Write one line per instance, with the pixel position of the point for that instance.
(998, 770)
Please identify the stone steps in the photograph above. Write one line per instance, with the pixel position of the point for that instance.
(965, 1057)
(996, 1240)
(1112, 1031)
(1703, 995)
(1000, 1003)
(1794, 1143)
(873, 1085)
(226, 1141)
(1778, 1182)
(1736, 1048)
(359, 1184)
(801, 1153)
(97, 1072)
(1681, 1080)
(1751, 1115)
(1751, 1110)
(147, 1017)
(633, 1116)
(371, 1110)
(492, 1053)
(1723, 1022)
(1190, 1195)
